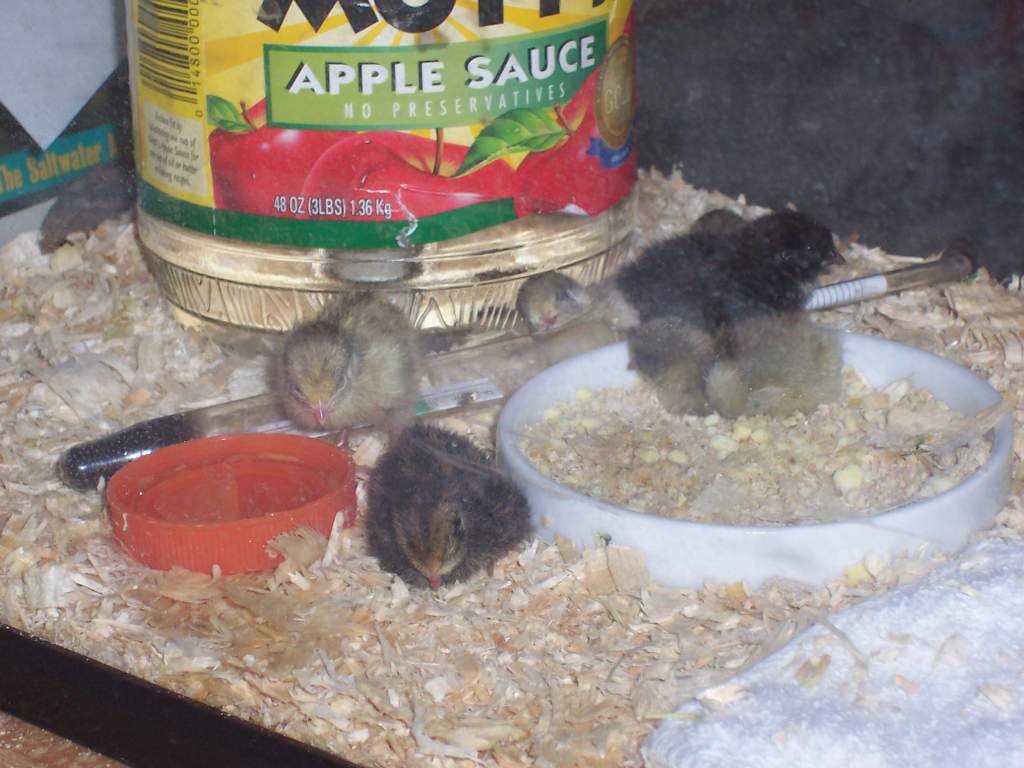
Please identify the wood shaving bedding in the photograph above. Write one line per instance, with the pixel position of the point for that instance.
(560, 658)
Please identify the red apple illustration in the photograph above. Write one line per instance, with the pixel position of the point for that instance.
(251, 169)
(402, 172)
(580, 175)
(252, 163)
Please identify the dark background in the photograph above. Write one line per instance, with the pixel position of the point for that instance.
(901, 121)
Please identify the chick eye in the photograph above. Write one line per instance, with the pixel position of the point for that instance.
(298, 394)
(562, 294)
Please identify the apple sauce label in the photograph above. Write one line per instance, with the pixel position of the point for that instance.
(427, 86)
(175, 150)
(381, 123)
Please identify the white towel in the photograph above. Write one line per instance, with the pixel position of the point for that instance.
(930, 674)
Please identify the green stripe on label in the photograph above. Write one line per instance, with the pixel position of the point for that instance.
(427, 86)
(23, 173)
(301, 233)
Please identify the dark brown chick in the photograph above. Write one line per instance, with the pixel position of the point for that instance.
(355, 364)
(438, 511)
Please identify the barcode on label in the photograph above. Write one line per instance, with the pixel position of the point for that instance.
(168, 41)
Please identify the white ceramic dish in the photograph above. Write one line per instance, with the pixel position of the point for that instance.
(682, 553)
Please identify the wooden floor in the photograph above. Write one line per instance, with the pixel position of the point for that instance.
(24, 746)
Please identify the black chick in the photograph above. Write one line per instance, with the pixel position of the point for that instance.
(765, 267)
(438, 511)
(681, 277)
(779, 257)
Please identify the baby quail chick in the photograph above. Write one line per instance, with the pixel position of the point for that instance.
(356, 363)
(778, 258)
(775, 366)
(766, 267)
(438, 511)
(680, 277)
(551, 300)
(780, 365)
(557, 311)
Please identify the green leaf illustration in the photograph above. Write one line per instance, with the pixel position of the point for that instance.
(518, 130)
(223, 114)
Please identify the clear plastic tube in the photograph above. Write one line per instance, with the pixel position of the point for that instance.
(954, 264)
(847, 292)
(83, 465)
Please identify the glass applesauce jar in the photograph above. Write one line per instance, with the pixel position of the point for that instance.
(439, 150)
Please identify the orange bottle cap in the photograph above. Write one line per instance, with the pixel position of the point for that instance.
(219, 500)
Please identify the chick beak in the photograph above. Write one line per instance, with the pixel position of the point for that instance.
(320, 409)
(835, 257)
(549, 320)
(433, 579)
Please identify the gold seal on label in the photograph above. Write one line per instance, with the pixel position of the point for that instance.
(614, 102)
